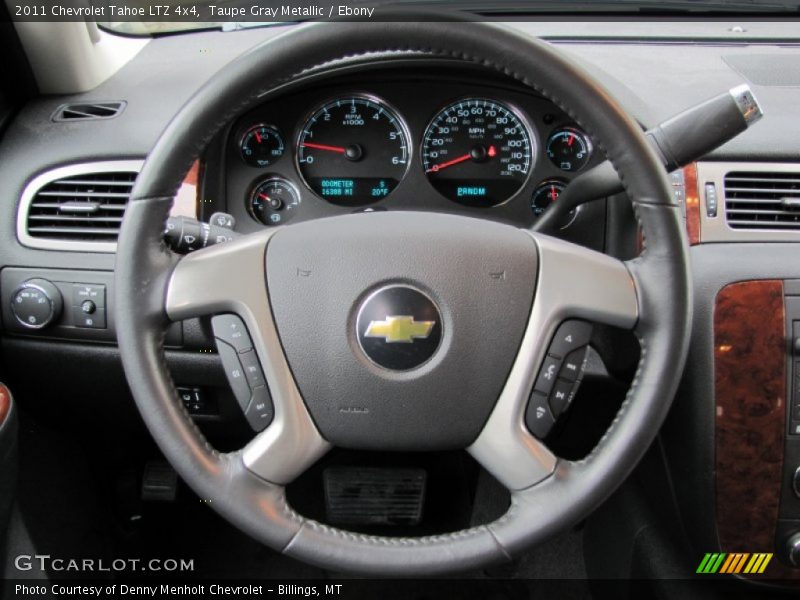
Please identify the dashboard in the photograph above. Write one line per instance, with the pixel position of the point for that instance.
(423, 139)
(302, 154)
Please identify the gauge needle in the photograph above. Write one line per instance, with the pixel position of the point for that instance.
(258, 137)
(264, 197)
(449, 163)
(553, 193)
(571, 139)
(339, 149)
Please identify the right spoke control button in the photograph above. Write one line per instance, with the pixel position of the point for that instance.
(560, 399)
(572, 368)
(538, 417)
(571, 335)
(547, 375)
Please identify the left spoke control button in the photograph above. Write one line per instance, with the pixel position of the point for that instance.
(231, 330)
(252, 369)
(538, 417)
(260, 412)
(235, 373)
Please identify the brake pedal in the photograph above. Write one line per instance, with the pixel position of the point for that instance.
(159, 482)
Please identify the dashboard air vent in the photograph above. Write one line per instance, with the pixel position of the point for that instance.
(762, 200)
(84, 207)
(88, 110)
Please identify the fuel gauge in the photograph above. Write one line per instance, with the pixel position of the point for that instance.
(274, 201)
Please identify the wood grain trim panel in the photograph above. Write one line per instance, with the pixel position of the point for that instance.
(692, 203)
(5, 403)
(750, 396)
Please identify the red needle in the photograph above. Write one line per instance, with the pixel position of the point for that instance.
(449, 163)
(553, 195)
(264, 197)
(258, 137)
(339, 149)
(571, 139)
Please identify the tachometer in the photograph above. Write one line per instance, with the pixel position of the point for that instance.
(353, 151)
(477, 152)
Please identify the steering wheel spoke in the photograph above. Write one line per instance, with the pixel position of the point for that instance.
(573, 283)
(230, 278)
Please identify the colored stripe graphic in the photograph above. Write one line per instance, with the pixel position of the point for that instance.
(734, 563)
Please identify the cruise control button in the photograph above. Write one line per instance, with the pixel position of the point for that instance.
(538, 416)
(561, 397)
(547, 375)
(231, 329)
(252, 369)
(570, 336)
(260, 412)
(573, 365)
(235, 373)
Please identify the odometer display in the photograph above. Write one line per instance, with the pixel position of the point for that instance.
(477, 152)
(353, 151)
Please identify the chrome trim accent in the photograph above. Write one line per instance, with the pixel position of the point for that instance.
(573, 282)
(716, 229)
(747, 103)
(231, 278)
(41, 180)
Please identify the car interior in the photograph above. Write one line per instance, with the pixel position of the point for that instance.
(505, 296)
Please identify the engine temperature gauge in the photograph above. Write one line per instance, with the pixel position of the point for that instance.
(274, 201)
(261, 146)
(569, 148)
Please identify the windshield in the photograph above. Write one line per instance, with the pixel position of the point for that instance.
(140, 17)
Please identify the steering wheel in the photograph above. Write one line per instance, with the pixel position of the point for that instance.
(302, 292)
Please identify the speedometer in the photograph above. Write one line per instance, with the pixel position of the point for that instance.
(353, 151)
(477, 152)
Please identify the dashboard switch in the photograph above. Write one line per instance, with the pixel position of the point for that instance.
(87, 291)
(84, 320)
(711, 199)
(36, 303)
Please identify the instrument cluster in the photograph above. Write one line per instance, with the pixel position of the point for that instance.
(444, 147)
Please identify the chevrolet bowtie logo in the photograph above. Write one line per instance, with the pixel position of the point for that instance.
(400, 329)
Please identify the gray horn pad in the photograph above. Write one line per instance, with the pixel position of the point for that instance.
(401, 328)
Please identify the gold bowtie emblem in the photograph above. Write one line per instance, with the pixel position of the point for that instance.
(400, 329)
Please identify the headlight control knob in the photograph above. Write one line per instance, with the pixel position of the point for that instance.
(36, 303)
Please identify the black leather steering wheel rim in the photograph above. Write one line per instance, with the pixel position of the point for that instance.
(660, 277)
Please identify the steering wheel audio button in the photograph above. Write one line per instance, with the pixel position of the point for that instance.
(571, 335)
(547, 375)
(538, 417)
